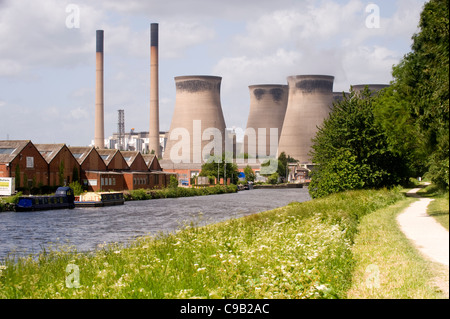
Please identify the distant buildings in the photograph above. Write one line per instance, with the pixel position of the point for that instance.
(134, 141)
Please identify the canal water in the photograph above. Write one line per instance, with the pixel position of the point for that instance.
(86, 228)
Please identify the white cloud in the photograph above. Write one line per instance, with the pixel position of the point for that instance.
(176, 37)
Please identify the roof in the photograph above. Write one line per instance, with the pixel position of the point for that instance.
(129, 156)
(107, 154)
(10, 149)
(80, 152)
(49, 151)
(149, 158)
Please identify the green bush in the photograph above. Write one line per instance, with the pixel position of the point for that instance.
(77, 188)
(273, 179)
(351, 150)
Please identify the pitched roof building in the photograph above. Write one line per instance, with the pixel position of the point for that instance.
(63, 167)
(22, 160)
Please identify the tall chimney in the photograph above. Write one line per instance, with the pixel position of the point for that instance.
(153, 135)
(99, 137)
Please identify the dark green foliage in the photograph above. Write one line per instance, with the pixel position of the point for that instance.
(351, 150)
(249, 174)
(173, 183)
(421, 82)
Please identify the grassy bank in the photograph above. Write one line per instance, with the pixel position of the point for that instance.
(302, 250)
(439, 207)
(388, 266)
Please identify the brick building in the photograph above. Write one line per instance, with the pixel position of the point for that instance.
(98, 170)
(22, 160)
(135, 161)
(62, 165)
(113, 159)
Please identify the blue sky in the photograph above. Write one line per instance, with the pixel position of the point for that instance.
(47, 69)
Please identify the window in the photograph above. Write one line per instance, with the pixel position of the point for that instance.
(7, 151)
(30, 162)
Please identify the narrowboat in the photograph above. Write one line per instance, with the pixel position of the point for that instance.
(63, 199)
(99, 199)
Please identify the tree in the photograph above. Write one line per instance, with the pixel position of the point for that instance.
(421, 82)
(350, 150)
(249, 174)
(173, 182)
(212, 168)
(283, 162)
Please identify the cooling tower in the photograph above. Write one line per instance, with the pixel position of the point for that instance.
(197, 123)
(268, 104)
(373, 88)
(339, 96)
(309, 103)
(153, 143)
(99, 134)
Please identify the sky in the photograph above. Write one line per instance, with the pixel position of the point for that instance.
(47, 55)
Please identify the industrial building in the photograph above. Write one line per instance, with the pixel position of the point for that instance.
(63, 167)
(97, 169)
(134, 141)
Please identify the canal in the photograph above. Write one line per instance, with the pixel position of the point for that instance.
(86, 228)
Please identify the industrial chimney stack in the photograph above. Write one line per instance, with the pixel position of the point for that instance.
(99, 134)
(154, 92)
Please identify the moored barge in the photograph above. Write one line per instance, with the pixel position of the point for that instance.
(99, 199)
(63, 199)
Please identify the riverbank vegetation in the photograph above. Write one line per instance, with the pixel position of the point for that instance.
(303, 250)
(172, 192)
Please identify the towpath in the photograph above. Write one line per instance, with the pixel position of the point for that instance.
(428, 236)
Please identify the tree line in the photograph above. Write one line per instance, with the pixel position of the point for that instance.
(379, 140)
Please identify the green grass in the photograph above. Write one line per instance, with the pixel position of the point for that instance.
(302, 250)
(384, 255)
(439, 207)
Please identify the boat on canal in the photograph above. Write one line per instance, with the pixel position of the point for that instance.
(63, 199)
(99, 199)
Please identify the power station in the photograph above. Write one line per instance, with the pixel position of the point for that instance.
(281, 118)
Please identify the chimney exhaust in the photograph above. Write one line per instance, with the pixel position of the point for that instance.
(99, 134)
(154, 92)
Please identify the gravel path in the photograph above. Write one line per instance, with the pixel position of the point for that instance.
(427, 235)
